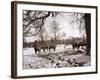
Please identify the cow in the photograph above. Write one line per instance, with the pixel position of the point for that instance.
(48, 47)
(52, 47)
(36, 47)
(78, 45)
(43, 45)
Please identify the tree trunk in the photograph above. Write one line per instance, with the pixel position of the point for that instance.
(87, 18)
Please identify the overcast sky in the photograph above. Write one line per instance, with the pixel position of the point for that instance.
(64, 21)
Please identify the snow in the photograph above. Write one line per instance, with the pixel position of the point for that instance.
(64, 56)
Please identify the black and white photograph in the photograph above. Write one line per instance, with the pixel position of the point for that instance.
(56, 39)
(53, 39)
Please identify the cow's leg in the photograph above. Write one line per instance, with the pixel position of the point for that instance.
(73, 47)
(83, 47)
(43, 49)
(35, 51)
(78, 46)
(54, 48)
(49, 49)
(39, 49)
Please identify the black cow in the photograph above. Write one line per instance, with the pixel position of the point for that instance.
(78, 45)
(36, 47)
(44, 47)
(52, 47)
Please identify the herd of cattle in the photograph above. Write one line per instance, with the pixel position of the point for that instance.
(38, 46)
(46, 45)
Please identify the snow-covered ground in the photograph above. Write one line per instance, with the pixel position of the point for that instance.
(64, 56)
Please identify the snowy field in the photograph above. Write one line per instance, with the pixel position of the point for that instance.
(64, 56)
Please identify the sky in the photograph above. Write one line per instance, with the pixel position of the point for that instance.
(64, 23)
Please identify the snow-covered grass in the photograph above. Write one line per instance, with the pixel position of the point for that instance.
(64, 56)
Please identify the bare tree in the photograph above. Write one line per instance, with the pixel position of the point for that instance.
(55, 29)
(87, 18)
(81, 18)
(42, 33)
(34, 20)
